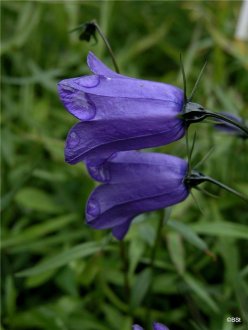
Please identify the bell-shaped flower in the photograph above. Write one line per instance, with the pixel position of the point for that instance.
(156, 326)
(134, 182)
(118, 113)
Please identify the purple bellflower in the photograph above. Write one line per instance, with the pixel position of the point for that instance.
(118, 113)
(229, 128)
(156, 326)
(134, 182)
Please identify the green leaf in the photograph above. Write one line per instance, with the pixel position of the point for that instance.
(140, 287)
(136, 250)
(10, 296)
(63, 258)
(37, 200)
(38, 230)
(112, 315)
(200, 290)
(188, 234)
(222, 228)
(40, 279)
(166, 283)
(176, 251)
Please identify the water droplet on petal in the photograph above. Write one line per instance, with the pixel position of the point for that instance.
(88, 81)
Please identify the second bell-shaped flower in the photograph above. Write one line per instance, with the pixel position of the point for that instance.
(118, 113)
(134, 182)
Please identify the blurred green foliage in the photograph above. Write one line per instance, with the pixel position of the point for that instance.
(56, 272)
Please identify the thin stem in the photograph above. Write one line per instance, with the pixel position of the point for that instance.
(124, 259)
(107, 45)
(197, 82)
(223, 186)
(157, 238)
(206, 156)
(192, 147)
(204, 191)
(195, 113)
(196, 202)
(228, 120)
(152, 261)
(184, 80)
(188, 151)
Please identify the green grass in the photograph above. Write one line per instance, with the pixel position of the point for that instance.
(56, 272)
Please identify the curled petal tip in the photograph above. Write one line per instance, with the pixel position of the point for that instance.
(74, 95)
(97, 67)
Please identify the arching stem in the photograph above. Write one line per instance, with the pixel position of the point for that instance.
(161, 220)
(104, 38)
(228, 120)
(223, 186)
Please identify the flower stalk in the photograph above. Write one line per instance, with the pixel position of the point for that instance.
(124, 258)
(105, 40)
(194, 112)
(88, 30)
(194, 178)
(152, 261)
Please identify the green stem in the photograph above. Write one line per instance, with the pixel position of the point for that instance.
(223, 186)
(197, 82)
(104, 38)
(157, 238)
(124, 259)
(152, 260)
(228, 120)
(195, 113)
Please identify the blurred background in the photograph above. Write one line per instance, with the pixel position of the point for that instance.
(58, 274)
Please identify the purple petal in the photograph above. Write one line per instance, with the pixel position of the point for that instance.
(159, 326)
(98, 68)
(130, 164)
(76, 100)
(97, 140)
(109, 94)
(137, 188)
(123, 88)
(137, 327)
(112, 205)
(120, 231)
